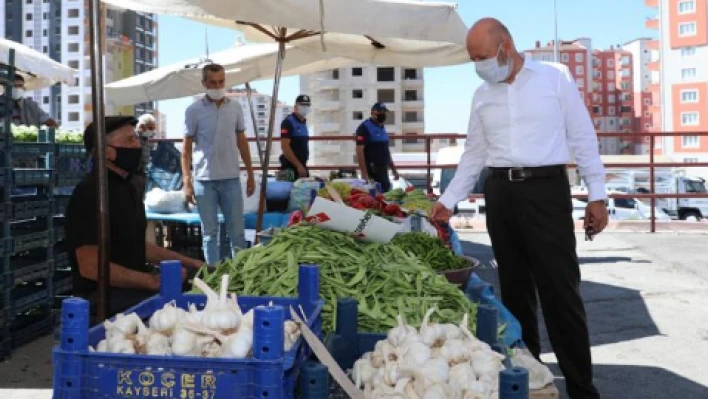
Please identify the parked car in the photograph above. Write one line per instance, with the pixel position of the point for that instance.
(621, 209)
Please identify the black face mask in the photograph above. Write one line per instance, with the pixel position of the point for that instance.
(128, 159)
(380, 118)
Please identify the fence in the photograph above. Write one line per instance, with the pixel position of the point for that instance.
(428, 166)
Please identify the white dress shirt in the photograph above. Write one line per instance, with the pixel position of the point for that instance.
(537, 120)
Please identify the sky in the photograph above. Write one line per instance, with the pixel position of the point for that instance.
(448, 90)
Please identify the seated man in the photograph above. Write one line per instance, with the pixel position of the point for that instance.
(132, 278)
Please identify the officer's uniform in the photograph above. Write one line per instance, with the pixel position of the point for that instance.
(377, 156)
(294, 127)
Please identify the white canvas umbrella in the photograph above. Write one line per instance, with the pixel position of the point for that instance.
(368, 22)
(242, 64)
(38, 70)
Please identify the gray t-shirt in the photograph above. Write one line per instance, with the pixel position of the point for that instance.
(216, 155)
(25, 111)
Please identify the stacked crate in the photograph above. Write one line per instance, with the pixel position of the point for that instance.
(28, 235)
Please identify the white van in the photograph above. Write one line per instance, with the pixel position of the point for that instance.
(619, 208)
(442, 178)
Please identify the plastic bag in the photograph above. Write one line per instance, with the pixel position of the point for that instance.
(161, 201)
(302, 194)
(250, 204)
(539, 374)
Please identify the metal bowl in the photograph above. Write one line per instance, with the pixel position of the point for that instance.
(460, 277)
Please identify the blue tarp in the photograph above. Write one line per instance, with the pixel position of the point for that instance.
(482, 292)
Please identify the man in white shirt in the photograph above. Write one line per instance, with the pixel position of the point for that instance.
(525, 120)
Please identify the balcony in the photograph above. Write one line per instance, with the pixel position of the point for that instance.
(653, 45)
(651, 3)
(326, 105)
(653, 65)
(414, 124)
(414, 104)
(328, 127)
(413, 83)
(652, 23)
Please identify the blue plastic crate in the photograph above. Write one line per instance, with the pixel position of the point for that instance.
(65, 150)
(5, 212)
(31, 240)
(63, 282)
(68, 178)
(270, 219)
(32, 177)
(61, 258)
(25, 269)
(270, 373)
(6, 246)
(25, 149)
(29, 209)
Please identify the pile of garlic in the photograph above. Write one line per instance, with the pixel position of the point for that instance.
(438, 361)
(220, 330)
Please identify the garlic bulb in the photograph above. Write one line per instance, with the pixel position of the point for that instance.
(431, 334)
(460, 376)
(158, 344)
(165, 319)
(219, 313)
(398, 334)
(362, 372)
(414, 353)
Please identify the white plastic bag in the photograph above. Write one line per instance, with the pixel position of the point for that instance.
(250, 204)
(539, 374)
(161, 201)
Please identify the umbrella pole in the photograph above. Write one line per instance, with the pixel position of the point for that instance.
(97, 99)
(253, 118)
(271, 122)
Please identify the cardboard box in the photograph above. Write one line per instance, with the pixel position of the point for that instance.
(362, 225)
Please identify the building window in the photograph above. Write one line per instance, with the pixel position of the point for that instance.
(610, 74)
(73, 47)
(73, 116)
(611, 111)
(410, 95)
(610, 63)
(690, 160)
(596, 110)
(44, 32)
(689, 118)
(611, 87)
(688, 73)
(357, 115)
(73, 30)
(357, 94)
(28, 17)
(357, 72)
(386, 96)
(410, 116)
(74, 64)
(28, 33)
(412, 140)
(565, 57)
(335, 73)
(580, 82)
(686, 6)
(611, 99)
(689, 96)
(690, 141)
(74, 99)
(390, 118)
(688, 51)
(45, 99)
(579, 70)
(410, 74)
(261, 114)
(687, 29)
(647, 114)
(579, 57)
(45, 16)
(385, 74)
(73, 13)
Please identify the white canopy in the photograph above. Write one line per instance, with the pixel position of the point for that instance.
(38, 70)
(243, 64)
(412, 20)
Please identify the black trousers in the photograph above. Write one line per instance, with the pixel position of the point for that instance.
(379, 174)
(532, 232)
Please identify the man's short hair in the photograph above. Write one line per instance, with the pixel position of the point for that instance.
(210, 68)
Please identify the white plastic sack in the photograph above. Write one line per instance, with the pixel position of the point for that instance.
(250, 204)
(539, 374)
(161, 201)
(301, 194)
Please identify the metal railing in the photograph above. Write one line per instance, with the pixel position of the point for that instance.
(428, 166)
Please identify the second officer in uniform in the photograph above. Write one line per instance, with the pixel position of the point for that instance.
(372, 148)
(294, 140)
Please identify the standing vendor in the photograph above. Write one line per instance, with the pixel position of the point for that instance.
(25, 111)
(294, 140)
(372, 149)
(132, 276)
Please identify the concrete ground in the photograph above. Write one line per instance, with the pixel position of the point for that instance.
(645, 296)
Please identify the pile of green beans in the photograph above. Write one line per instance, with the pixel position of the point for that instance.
(385, 279)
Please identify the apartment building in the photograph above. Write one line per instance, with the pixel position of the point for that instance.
(683, 76)
(342, 99)
(60, 29)
(605, 82)
(261, 109)
(647, 101)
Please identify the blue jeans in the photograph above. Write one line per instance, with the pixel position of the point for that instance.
(226, 195)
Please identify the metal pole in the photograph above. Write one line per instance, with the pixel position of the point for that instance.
(271, 121)
(104, 243)
(556, 56)
(652, 201)
(429, 174)
(255, 128)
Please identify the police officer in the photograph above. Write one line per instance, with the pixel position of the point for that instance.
(294, 140)
(372, 149)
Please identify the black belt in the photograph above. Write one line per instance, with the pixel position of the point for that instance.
(522, 174)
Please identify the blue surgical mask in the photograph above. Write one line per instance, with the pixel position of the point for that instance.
(492, 71)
